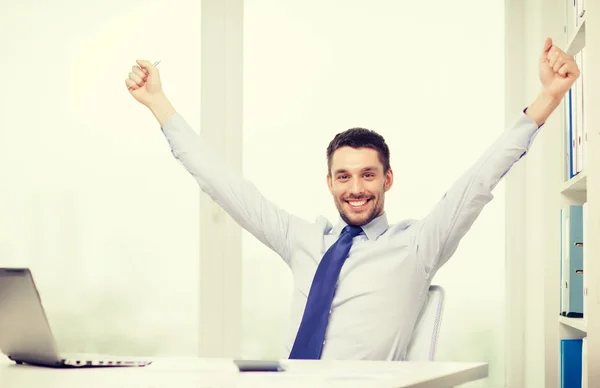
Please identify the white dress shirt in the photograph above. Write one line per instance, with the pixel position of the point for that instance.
(386, 277)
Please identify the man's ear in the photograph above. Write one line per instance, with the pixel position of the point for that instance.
(389, 180)
(330, 183)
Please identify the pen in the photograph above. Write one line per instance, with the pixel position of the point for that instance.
(154, 64)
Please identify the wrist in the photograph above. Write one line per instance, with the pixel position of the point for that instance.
(161, 108)
(542, 107)
(157, 101)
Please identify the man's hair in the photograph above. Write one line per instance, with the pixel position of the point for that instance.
(360, 138)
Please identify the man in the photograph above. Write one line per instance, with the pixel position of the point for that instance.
(359, 286)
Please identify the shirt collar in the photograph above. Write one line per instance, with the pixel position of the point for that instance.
(372, 230)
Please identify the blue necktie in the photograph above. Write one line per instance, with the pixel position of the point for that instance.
(311, 334)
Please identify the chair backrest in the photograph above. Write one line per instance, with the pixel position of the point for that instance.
(423, 343)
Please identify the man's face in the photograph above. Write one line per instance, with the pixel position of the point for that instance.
(358, 184)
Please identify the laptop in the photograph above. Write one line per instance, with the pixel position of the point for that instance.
(25, 334)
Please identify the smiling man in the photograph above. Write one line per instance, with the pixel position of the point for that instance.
(359, 152)
(359, 285)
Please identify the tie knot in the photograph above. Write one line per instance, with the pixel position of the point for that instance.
(352, 230)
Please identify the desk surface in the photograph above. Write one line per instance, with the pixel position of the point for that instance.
(222, 373)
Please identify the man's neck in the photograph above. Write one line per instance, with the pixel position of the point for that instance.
(373, 229)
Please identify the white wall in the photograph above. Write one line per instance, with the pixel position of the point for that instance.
(92, 199)
(431, 81)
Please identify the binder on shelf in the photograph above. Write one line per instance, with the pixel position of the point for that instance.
(570, 155)
(575, 128)
(578, 119)
(562, 247)
(584, 358)
(585, 257)
(572, 262)
(570, 363)
(582, 58)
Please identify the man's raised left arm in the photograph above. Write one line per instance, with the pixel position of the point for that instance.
(438, 234)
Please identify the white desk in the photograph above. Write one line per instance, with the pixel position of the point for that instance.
(222, 373)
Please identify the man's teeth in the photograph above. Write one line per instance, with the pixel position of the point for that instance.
(357, 203)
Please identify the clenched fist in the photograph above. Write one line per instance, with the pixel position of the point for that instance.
(144, 83)
(558, 71)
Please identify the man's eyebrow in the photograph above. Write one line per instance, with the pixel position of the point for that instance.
(365, 169)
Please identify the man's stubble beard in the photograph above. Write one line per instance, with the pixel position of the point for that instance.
(375, 212)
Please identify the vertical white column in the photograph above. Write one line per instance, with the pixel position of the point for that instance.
(221, 125)
(516, 190)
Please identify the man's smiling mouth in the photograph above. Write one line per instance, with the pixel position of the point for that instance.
(358, 204)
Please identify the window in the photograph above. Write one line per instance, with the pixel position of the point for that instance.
(93, 200)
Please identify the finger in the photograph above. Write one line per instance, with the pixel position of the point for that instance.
(563, 70)
(560, 61)
(131, 85)
(549, 55)
(137, 70)
(557, 51)
(547, 47)
(573, 69)
(136, 78)
(144, 71)
(552, 58)
(146, 65)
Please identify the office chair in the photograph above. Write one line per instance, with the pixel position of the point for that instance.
(423, 343)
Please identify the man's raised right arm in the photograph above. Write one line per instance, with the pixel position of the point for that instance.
(237, 196)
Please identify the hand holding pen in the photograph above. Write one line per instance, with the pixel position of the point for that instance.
(144, 82)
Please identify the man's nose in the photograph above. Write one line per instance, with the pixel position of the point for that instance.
(356, 187)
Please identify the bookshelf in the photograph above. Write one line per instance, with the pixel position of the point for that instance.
(574, 323)
(578, 352)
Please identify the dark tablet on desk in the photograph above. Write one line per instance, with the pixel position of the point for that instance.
(259, 366)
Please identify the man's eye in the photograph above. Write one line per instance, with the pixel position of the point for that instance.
(369, 175)
(342, 177)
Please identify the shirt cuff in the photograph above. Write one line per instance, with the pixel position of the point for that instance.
(525, 113)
